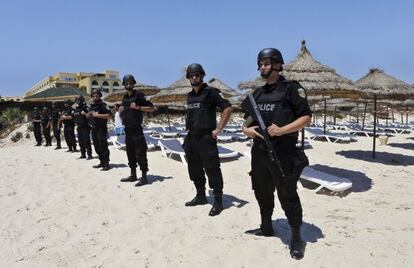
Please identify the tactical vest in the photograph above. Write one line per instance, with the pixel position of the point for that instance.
(274, 106)
(131, 118)
(36, 116)
(55, 117)
(45, 119)
(201, 115)
(80, 119)
(68, 112)
(97, 122)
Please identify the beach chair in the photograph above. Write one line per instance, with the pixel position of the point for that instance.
(317, 134)
(173, 146)
(162, 132)
(325, 180)
(119, 142)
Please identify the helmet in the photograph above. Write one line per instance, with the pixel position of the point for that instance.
(96, 91)
(80, 99)
(272, 53)
(128, 77)
(194, 68)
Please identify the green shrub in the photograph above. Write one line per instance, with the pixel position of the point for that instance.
(12, 116)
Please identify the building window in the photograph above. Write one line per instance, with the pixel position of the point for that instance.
(105, 87)
(115, 86)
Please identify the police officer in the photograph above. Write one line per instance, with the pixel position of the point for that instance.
(285, 110)
(133, 106)
(46, 124)
(37, 120)
(200, 144)
(83, 128)
(56, 125)
(98, 117)
(67, 118)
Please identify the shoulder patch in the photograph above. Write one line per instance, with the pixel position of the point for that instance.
(302, 93)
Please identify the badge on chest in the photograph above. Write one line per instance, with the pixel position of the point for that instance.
(266, 107)
(195, 105)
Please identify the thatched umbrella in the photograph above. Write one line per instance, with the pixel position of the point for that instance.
(175, 95)
(227, 91)
(320, 81)
(379, 85)
(146, 89)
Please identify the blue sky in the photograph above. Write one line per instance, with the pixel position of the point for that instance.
(154, 40)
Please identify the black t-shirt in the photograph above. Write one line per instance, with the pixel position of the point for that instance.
(131, 118)
(36, 116)
(80, 119)
(55, 116)
(101, 108)
(68, 112)
(45, 119)
(201, 105)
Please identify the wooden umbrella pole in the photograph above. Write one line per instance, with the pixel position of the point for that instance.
(324, 117)
(386, 118)
(406, 116)
(375, 126)
(334, 116)
(392, 115)
(357, 115)
(365, 114)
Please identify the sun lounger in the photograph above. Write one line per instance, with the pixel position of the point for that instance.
(119, 142)
(317, 134)
(173, 146)
(325, 180)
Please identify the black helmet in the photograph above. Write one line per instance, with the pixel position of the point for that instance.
(96, 91)
(128, 77)
(272, 53)
(194, 68)
(80, 99)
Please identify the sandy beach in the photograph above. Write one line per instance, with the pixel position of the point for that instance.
(57, 211)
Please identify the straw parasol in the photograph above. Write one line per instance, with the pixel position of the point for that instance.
(379, 85)
(319, 80)
(146, 89)
(175, 95)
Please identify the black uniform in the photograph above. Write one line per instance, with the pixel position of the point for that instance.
(69, 130)
(100, 132)
(56, 128)
(37, 127)
(281, 104)
(136, 146)
(46, 123)
(199, 145)
(84, 130)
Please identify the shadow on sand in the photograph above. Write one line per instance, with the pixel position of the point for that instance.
(380, 157)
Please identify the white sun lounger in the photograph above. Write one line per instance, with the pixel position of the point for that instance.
(173, 146)
(317, 133)
(326, 180)
(119, 142)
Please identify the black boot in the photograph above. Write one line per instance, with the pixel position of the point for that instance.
(218, 205)
(106, 167)
(266, 228)
(143, 180)
(70, 149)
(74, 150)
(297, 245)
(89, 157)
(58, 147)
(132, 177)
(199, 199)
(98, 166)
(83, 156)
